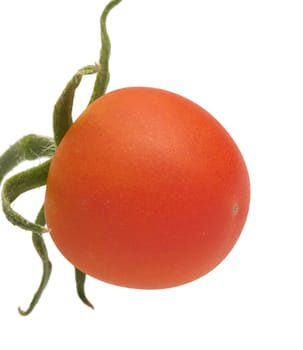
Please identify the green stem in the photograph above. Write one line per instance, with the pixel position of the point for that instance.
(62, 115)
(41, 249)
(18, 184)
(103, 75)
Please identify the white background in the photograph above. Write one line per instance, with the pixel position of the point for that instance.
(240, 60)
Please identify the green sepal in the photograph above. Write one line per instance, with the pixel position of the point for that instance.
(41, 249)
(80, 283)
(62, 114)
(18, 184)
(103, 75)
(29, 147)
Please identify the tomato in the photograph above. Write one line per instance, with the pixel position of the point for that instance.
(146, 190)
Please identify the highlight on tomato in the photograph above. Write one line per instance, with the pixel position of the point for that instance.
(146, 189)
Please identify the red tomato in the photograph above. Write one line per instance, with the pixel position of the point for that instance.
(146, 190)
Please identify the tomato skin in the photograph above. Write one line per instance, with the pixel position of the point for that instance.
(146, 190)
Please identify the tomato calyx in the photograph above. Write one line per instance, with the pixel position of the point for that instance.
(36, 147)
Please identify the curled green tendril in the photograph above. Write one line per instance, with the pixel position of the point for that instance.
(103, 75)
(41, 249)
(18, 184)
(33, 147)
(29, 147)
